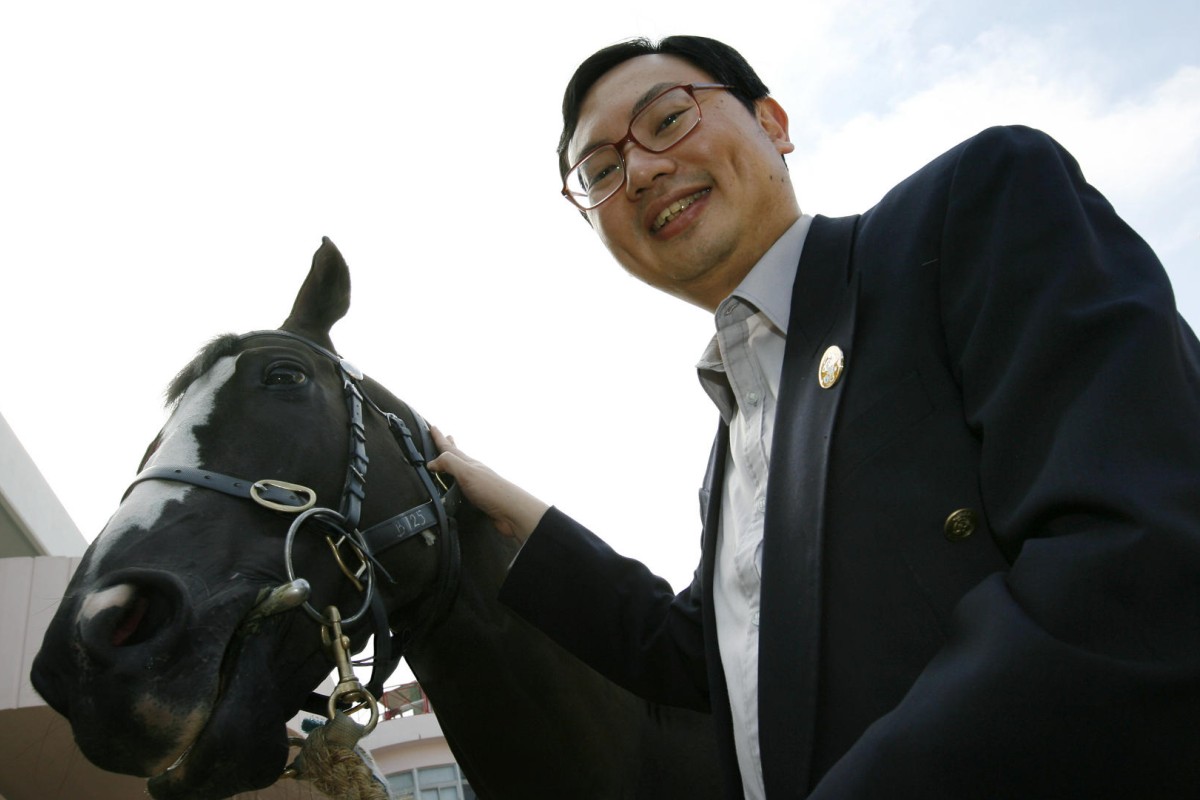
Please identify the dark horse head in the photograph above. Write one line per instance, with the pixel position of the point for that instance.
(161, 654)
(192, 630)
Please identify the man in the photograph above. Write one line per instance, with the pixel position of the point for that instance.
(952, 516)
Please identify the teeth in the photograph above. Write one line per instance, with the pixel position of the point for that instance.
(669, 213)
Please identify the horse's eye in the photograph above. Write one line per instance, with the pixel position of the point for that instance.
(284, 375)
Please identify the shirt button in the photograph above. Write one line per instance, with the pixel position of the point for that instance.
(730, 307)
(753, 398)
(754, 619)
(761, 504)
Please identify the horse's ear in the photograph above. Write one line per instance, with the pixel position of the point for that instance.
(324, 298)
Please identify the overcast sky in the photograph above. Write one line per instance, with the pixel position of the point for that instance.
(167, 170)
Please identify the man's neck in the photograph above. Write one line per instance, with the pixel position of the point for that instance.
(716, 285)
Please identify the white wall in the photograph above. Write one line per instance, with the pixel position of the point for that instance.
(36, 508)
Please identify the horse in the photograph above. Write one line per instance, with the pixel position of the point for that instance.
(197, 623)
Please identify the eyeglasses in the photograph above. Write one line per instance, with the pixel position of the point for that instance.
(663, 123)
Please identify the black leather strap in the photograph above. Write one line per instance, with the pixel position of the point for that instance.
(236, 487)
(385, 535)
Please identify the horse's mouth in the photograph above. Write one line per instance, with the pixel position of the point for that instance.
(233, 752)
(240, 745)
(182, 757)
(168, 775)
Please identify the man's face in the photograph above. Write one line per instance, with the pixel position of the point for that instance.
(695, 219)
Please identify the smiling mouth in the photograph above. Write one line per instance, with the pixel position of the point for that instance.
(670, 212)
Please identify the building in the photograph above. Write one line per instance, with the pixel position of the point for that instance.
(40, 547)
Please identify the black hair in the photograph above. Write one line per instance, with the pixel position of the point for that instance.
(718, 59)
(223, 345)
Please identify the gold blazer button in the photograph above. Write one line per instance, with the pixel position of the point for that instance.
(960, 524)
(832, 364)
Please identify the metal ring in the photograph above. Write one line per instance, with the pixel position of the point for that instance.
(329, 515)
(362, 696)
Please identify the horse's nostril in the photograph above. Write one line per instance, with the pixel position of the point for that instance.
(127, 626)
(123, 616)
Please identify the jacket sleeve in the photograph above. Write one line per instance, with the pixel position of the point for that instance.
(1076, 673)
(611, 612)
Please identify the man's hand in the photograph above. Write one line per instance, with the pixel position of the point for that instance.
(514, 511)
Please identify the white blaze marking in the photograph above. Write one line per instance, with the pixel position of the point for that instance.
(178, 447)
(118, 596)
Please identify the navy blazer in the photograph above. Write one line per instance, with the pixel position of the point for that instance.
(981, 555)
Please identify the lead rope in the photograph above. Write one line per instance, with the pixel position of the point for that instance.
(330, 757)
(332, 761)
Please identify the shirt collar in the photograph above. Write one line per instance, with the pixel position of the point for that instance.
(767, 289)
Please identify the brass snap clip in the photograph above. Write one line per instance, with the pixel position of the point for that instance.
(348, 689)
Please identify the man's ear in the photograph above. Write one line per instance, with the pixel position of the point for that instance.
(774, 121)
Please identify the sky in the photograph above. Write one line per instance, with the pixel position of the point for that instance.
(168, 169)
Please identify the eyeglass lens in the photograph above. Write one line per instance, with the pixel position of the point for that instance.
(657, 127)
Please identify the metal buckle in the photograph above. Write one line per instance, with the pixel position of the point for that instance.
(336, 548)
(258, 487)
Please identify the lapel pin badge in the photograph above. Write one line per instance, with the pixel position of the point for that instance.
(832, 364)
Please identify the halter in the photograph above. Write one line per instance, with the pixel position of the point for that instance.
(434, 519)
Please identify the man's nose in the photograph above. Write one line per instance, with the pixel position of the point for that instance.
(643, 167)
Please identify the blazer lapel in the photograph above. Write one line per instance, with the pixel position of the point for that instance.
(823, 305)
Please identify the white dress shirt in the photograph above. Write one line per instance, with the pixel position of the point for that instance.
(740, 371)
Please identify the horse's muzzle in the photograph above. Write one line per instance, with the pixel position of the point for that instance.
(109, 655)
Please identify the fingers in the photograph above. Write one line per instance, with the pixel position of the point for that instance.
(449, 458)
(512, 510)
(441, 441)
